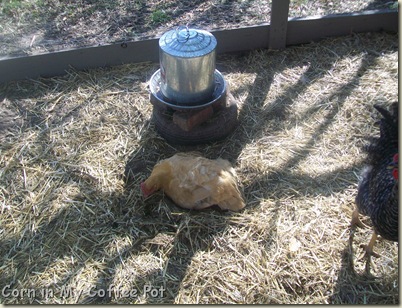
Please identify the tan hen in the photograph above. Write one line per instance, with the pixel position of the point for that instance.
(195, 182)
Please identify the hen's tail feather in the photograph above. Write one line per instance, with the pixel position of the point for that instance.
(388, 139)
(389, 122)
(384, 112)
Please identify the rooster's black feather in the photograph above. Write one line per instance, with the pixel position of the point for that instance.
(377, 195)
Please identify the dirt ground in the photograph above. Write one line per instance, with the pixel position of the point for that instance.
(37, 26)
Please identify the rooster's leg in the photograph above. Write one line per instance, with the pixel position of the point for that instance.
(369, 248)
(369, 252)
(356, 220)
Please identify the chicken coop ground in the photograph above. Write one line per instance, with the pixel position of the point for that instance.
(74, 150)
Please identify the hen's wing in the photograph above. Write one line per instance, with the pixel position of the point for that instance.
(189, 187)
(200, 183)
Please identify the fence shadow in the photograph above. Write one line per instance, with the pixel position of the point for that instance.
(84, 235)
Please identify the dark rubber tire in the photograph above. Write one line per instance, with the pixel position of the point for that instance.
(215, 129)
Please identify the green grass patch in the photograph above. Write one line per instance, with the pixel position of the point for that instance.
(159, 16)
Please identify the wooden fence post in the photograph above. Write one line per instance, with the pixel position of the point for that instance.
(279, 24)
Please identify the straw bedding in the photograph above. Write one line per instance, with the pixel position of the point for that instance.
(75, 148)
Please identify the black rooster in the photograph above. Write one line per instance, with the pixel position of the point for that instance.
(377, 195)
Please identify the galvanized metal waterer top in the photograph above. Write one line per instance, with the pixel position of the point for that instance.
(185, 42)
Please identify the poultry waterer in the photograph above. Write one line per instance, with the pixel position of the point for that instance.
(190, 97)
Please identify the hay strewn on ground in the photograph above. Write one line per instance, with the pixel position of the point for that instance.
(69, 220)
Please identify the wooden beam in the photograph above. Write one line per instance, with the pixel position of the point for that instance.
(279, 23)
(242, 39)
(57, 63)
(299, 31)
(314, 28)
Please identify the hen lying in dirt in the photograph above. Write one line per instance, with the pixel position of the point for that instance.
(377, 195)
(195, 182)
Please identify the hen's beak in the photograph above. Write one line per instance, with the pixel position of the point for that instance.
(145, 192)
